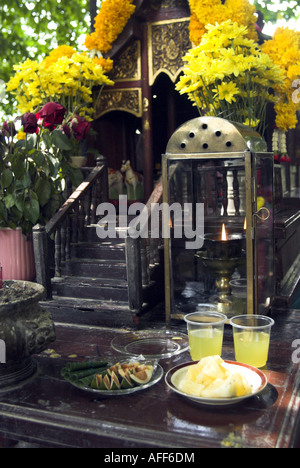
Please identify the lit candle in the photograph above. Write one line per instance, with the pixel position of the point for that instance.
(223, 235)
(224, 247)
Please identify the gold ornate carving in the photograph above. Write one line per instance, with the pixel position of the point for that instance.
(168, 41)
(124, 99)
(145, 104)
(127, 66)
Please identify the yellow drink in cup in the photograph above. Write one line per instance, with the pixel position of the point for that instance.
(251, 336)
(207, 342)
(205, 332)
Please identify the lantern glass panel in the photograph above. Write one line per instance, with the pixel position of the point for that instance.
(218, 181)
(264, 232)
(203, 187)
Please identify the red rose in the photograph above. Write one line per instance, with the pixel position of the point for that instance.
(80, 128)
(52, 114)
(8, 129)
(29, 122)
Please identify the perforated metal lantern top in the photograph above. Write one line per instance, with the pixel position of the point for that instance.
(214, 135)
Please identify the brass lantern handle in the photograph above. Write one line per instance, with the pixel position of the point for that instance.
(262, 217)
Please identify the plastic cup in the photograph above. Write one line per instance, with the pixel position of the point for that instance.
(205, 331)
(251, 337)
(239, 296)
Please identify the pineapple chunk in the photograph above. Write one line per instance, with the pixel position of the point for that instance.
(192, 388)
(209, 378)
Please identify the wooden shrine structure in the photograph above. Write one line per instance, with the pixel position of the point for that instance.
(143, 108)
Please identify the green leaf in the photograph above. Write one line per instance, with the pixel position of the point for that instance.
(61, 141)
(16, 214)
(43, 190)
(30, 141)
(23, 182)
(6, 178)
(18, 167)
(10, 200)
(20, 202)
(3, 212)
(46, 138)
(19, 144)
(32, 210)
(39, 158)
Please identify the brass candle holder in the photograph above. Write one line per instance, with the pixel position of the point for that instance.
(221, 257)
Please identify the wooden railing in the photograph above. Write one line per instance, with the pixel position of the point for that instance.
(67, 225)
(143, 253)
(66, 228)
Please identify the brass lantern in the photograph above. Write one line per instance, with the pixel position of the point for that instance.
(221, 175)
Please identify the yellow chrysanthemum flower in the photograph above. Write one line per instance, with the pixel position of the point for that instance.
(21, 135)
(227, 91)
(251, 123)
(227, 75)
(64, 76)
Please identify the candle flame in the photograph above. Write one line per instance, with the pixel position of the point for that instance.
(245, 224)
(224, 235)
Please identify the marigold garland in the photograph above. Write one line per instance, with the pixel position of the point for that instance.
(109, 23)
(284, 50)
(205, 12)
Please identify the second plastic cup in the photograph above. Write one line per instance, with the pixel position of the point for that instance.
(205, 332)
(251, 336)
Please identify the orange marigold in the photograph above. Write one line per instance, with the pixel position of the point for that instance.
(109, 23)
(205, 12)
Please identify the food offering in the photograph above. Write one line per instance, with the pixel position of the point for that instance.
(212, 381)
(112, 379)
(121, 376)
(209, 378)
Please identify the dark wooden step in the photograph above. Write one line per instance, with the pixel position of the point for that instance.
(90, 288)
(89, 267)
(89, 312)
(106, 250)
(89, 234)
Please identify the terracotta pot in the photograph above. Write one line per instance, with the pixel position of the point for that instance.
(16, 255)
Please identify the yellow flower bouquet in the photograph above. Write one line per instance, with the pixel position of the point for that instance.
(64, 76)
(227, 75)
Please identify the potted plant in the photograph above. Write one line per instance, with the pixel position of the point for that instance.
(30, 193)
(56, 98)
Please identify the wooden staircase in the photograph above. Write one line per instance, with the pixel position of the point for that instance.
(93, 281)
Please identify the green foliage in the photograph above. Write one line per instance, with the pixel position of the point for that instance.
(31, 28)
(273, 10)
(30, 190)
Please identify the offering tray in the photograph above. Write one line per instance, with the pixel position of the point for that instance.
(151, 344)
(254, 376)
(84, 382)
